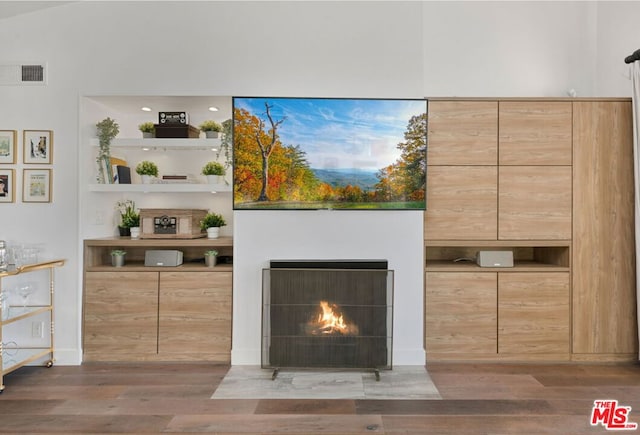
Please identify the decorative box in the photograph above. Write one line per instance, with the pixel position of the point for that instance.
(176, 131)
(171, 223)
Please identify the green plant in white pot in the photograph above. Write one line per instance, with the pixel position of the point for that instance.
(146, 170)
(148, 129)
(214, 172)
(211, 223)
(211, 128)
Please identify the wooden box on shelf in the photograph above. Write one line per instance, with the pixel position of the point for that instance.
(171, 223)
(177, 131)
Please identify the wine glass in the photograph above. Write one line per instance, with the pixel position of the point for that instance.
(25, 290)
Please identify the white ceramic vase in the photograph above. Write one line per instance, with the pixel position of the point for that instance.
(214, 179)
(210, 260)
(146, 179)
(213, 232)
(135, 232)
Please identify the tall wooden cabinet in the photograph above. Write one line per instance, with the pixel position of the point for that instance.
(548, 180)
(148, 313)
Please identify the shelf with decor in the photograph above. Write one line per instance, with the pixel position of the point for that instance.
(161, 188)
(12, 354)
(163, 143)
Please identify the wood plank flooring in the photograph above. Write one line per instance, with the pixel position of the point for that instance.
(151, 398)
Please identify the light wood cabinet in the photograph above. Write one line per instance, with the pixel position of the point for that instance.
(533, 313)
(120, 315)
(534, 202)
(563, 205)
(535, 132)
(462, 133)
(462, 203)
(194, 320)
(460, 314)
(604, 300)
(140, 313)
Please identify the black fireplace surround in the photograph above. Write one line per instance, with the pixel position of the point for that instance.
(359, 297)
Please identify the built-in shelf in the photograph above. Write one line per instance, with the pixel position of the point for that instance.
(162, 143)
(161, 188)
(528, 255)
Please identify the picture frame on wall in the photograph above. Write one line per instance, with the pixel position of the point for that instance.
(36, 185)
(8, 146)
(38, 147)
(7, 185)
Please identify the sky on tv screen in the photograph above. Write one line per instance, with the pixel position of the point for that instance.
(341, 133)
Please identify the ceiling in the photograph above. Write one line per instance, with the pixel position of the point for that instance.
(10, 9)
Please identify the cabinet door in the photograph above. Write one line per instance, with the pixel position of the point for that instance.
(463, 133)
(120, 316)
(195, 316)
(461, 203)
(604, 300)
(534, 203)
(460, 313)
(535, 133)
(533, 313)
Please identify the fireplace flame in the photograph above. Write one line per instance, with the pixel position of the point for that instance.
(331, 322)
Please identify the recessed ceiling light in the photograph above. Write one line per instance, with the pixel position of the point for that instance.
(145, 149)
(214, 149)
(213, 109)
(145, 109)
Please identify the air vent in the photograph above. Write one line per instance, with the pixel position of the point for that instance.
(22, 74)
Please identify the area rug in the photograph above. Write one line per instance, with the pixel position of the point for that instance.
(252, 382)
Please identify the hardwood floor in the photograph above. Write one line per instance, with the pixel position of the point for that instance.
(477, 399)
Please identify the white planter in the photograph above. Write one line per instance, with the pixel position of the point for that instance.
(148, 134)
(211, 134)
(146, 179)
(135, 232)
(215, 179)
(213, 232)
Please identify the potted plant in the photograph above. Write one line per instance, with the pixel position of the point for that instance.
(211, 128)
(117, 257)
(214, 172)
(107, 129)
(146, 170)
(210, 257)
(129, 217)
(211, 223)
(147, 129)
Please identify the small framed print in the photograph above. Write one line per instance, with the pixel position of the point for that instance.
(36, 185)
(8, 146)
(7, 185)
(38, 146)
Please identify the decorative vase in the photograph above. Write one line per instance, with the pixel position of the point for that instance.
(210, 260)
(211, 134)
(117, 260)
(147, 134)
(146, 179)
(124, 231)
(213, 232)
(214, 179)
(135, 232)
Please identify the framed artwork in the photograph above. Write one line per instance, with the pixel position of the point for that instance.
(38, 146)
(8, 146)
(7, 185)
(36, 185)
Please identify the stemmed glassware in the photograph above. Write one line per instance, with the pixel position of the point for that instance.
(24, 291)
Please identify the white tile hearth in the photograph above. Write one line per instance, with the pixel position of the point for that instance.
(253, 382)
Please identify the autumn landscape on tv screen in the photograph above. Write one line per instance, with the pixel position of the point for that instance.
(329, 153)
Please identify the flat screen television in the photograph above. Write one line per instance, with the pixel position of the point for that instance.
(329, 153)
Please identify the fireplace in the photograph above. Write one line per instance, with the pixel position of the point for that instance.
(327, 314)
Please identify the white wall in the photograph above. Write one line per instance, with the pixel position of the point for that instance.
(385, 49)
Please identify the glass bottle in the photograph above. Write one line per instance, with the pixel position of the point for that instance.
(4, 260)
